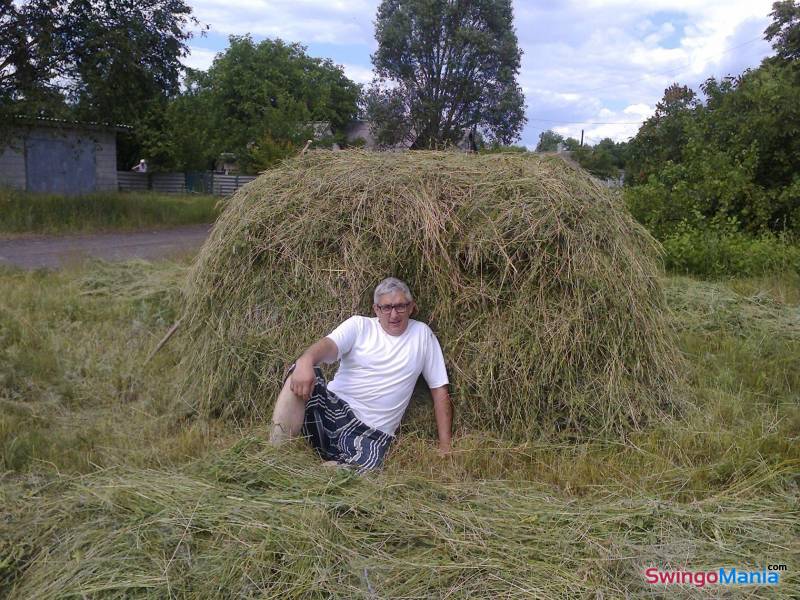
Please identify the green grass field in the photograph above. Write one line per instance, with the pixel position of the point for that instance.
(111, 488)
(24, 212)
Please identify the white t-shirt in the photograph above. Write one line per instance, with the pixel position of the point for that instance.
(378, 371)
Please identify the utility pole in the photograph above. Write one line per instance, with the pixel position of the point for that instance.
(581, 138)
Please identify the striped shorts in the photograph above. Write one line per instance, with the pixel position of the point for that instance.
(336, 434)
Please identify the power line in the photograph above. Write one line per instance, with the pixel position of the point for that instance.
(588, 122)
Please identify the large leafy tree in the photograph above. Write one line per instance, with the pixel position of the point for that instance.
(737, 157)
(259, 101)
(28, 62)
(549, 141)
(445, 68)
(118, 56)
(784, 31)
(663, 136)
(115, 61)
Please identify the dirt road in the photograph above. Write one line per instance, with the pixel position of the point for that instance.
(56, 251)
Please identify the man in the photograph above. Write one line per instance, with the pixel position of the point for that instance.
(140, 167)
(352, 420)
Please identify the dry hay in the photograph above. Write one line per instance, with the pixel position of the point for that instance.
(540, 286)
(262, 523)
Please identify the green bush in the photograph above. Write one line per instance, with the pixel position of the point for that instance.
(24, 212)
(719, 250)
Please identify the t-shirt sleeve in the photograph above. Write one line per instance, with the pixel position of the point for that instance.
(345, 335)
(434, 371)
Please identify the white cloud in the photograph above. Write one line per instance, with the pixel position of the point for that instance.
(357, 73)
(199, 58)
(321, 21)
(617, 53)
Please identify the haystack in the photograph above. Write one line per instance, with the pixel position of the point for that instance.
(540, 286)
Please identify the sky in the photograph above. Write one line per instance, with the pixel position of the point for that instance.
(594, 65)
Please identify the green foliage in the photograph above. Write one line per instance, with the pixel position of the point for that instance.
(454, 66)
(662, 137)
(110, 61)
(121, 56)
(719, 249)
(387, 113)
(22, 212)
(784, 31)
(28, 61)
(604, 160)
(549, 141)
(736, 156)
(499, 149)
(706, 185)
(268, 151)
(257, 100)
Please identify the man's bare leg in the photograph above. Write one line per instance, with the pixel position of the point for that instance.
(287, 417)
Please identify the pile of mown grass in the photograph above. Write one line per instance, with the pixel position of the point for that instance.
(27, 212)
(77, 392)
(540, 286)
(256, 522)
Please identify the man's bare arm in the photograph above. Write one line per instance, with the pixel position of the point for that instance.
(302, 379)
(443, 409)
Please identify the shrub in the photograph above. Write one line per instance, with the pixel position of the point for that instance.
(720, 250)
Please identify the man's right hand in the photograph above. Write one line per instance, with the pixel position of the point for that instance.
(302, 379)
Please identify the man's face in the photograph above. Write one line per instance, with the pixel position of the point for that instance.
(394, 321)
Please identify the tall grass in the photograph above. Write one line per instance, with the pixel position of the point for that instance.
(26, 212)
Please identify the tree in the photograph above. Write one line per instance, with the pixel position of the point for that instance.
(734, 159)
(259, 101)
(784, 31)
(572, 144)
(451, 67)
(663, 136)
(112, 61)
(549, 141)
(117, 56)
(28, 62)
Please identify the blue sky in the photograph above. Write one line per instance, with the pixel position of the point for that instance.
(596, 65)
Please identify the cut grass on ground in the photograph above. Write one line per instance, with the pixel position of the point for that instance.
(110, 488)
(25, 212)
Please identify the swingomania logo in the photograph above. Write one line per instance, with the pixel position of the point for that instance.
(769, 575)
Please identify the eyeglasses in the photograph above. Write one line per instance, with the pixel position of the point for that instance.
(401, 309)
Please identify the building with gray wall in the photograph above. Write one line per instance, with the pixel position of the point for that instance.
(59, 157)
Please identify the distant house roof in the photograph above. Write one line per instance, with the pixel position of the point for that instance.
(53, 122)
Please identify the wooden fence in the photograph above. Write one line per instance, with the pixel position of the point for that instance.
(226, 185)
(130, 181)
(181, 183)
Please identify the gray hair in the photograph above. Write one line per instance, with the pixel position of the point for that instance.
(389, 285)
